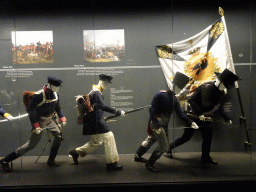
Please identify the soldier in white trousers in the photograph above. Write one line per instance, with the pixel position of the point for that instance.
(97, 140)
(95, 125)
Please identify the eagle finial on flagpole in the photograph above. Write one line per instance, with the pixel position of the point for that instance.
(221, 11)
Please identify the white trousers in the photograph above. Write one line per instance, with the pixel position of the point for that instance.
(97, 140)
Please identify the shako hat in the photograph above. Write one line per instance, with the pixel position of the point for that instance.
(105, 77)
(180, 80)
(54, 81)
(227, 77)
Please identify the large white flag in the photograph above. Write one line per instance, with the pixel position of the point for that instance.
(198, 56)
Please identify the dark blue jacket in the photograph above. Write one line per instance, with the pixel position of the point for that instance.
(94, 122)
(48, 108)
(2, 111)
(206, 100)
(164, 103)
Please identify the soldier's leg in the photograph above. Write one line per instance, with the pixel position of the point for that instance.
(54, 149)
(162, 147)
(90, 146)
(206, 145)
(86, 149)
(111, 151)
(187, 135)
(146, 144)
(110, 147)
(30, 144)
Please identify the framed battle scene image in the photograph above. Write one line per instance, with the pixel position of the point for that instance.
(104, 45)
(32, 47)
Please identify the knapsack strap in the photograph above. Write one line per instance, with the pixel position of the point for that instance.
(46, 100)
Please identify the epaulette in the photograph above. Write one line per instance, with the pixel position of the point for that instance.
(163, 91)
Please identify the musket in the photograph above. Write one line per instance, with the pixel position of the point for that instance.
(18, 117)
(127, 112)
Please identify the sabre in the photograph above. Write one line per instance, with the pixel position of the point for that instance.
(131, 111)
(49, 140)
(43, 150)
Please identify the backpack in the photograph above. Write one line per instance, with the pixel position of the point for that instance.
(83, 107)
(28, 95)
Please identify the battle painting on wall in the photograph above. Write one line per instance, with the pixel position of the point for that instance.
(104, 45)
(32, 47)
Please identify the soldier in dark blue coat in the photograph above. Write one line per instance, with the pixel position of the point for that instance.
(44, 112)
(162, 106)
(95, 125)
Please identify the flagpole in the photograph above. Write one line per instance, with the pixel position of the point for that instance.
(242, 118)
(173, 86)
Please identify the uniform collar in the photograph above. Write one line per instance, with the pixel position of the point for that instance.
(94, 87)
(48, 92)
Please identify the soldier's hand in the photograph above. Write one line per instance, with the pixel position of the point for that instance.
(194, 126)
(158, 131)
(37, 130)
(10, 118)
(64, 123)
(122, 113)
(202, 118)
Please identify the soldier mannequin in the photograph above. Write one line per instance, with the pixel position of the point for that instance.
(95, 126)
(163, 105)
(205, 103)
(45, 115)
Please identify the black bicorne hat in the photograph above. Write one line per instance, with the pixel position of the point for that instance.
(180, 80)
(105, 77)
(54, 81)
(227, 77)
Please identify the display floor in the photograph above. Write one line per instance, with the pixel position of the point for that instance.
(91, 171)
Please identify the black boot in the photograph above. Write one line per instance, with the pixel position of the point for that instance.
(206, 159)
(169, 153)
(139, 159)
(141, 151)
(74, 155)
(51, 161)
(114, 166)
(5, 166)
(9, 158)
(149, 165)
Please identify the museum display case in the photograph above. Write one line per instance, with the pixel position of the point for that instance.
(142, 48)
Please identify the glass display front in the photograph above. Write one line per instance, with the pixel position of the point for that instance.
(116, 95)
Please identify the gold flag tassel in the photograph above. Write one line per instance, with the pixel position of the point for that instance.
(221, 11)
